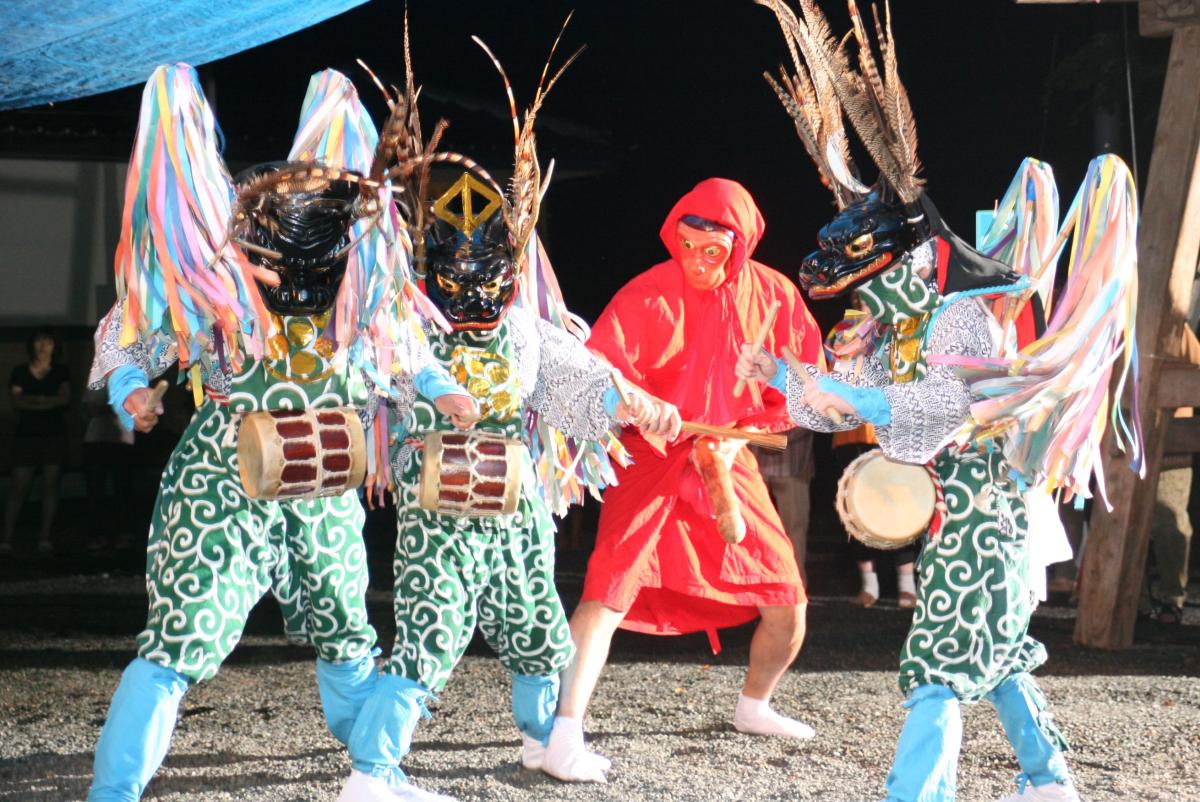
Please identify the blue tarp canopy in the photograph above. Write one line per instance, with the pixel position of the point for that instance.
(54, 50)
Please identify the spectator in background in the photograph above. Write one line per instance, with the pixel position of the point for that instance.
(40, 390)
(107, 462)
(847, 447)
(788, 474)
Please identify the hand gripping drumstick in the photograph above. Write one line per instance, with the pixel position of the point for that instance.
(759, 339)
(775, 442)
(807, 380)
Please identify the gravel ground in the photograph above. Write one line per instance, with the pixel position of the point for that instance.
(662, 713)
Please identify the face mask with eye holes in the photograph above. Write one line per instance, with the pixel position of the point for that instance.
(472, 281)
(703, 255)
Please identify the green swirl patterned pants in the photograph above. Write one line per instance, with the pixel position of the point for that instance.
(453, 574)
(970, 626)
(213, 553)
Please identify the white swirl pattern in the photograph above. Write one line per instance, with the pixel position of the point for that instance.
(454, 574)
(970, 625)
(213, 553)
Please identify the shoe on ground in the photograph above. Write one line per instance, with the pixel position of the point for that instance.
(906, 601)
(864, 599)
(1051, 792)
(361, 787)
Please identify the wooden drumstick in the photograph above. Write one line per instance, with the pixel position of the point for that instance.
(776, 442)
(759, 339)
(156, 394)
(802, 374)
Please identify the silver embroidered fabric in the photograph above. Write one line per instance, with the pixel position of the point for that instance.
(571, 381)
(404, 395)
(873, 374)
(559, 378)
(152, 357)
(925, 413)
(367, 412)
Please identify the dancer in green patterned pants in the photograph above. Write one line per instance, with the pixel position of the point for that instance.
(460, 565)
(279, 346)
(969, 638)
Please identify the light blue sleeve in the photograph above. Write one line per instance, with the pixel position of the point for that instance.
(121, 382)
(433, 381)
(611, 399)
(870, 403)
(779, 380)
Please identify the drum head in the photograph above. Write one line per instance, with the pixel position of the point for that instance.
(250, 450)
(892, 501)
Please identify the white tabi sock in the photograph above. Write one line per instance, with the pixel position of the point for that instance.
(905, 583)
(755, 716)
(870, 583)
(567, 757)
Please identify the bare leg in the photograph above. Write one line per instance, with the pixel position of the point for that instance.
(49, 504)
(592, 629)
(774, 646)
(567, 758)
(21, 477)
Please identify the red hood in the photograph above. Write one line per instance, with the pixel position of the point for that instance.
(724, 202)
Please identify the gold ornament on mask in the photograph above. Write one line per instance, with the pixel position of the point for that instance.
(464, 191)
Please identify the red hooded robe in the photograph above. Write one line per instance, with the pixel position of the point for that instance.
(658, 553)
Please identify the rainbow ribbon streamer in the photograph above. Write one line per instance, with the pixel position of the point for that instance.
(172, 264)
(1050, 403)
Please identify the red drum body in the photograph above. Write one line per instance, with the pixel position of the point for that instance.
(470, 474)
(309, 453)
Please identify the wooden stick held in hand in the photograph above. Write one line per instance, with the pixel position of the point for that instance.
(777, 442)
(802, 374)
(156, 394)
(759, 339)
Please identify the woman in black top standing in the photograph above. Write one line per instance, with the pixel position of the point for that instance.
(40, 390)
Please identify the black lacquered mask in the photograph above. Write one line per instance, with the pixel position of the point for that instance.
(297, 226)
(866, 238)
(472, 280)
(470, 273)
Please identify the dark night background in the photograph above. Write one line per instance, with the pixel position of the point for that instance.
(668, 93)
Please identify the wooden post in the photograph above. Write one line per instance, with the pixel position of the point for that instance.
(1168, 246)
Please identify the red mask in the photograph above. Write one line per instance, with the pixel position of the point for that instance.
(703, 255)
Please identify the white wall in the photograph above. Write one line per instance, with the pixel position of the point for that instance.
(59, 223)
